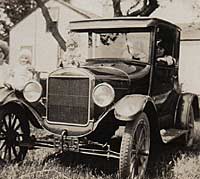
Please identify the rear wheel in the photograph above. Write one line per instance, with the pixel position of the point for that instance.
(14, 133)
(135, 148)
(189, 137)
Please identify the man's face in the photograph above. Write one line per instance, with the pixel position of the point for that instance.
(160, 51)
(1, 56)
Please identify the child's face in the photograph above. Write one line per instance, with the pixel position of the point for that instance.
(24, 60)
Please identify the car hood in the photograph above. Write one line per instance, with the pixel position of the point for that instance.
(118, 70)
(115, 71)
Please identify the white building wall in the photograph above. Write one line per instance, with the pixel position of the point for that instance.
(190, 66)
(21, 35)
(32, 32)
(45, 45)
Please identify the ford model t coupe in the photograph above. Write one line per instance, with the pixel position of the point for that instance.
(121, 101)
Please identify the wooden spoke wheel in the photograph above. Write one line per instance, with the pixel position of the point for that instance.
(14, 132)
(135, 148)
(189, 137)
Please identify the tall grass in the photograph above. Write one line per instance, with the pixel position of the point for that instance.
(188, 164)
(172, 164)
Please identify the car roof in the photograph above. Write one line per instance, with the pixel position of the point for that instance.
(118, 23)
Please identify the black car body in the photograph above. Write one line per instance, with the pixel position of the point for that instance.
(112, 105)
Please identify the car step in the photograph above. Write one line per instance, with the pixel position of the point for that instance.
(170, 134)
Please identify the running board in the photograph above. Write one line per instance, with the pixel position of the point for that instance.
(170, 134)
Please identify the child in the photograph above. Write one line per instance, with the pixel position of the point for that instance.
(162, 56)
(23, 72)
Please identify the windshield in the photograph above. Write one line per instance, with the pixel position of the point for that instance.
(128, 46)
(132, 45)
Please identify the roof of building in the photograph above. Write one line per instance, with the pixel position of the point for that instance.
(80, 11)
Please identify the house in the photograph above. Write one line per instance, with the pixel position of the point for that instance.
(190, 57)
(32, 33)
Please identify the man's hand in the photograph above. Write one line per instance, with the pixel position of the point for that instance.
(169, 60)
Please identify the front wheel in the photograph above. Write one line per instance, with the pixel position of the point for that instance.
(135, 148)
(14, 133)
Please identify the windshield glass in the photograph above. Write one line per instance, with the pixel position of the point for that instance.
(128, 46)
(132, 45)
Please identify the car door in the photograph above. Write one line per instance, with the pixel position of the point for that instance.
(165, 77)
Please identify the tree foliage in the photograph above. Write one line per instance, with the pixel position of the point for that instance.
(14, 10)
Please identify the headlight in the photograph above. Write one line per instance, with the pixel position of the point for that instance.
(32, 91)
(103, 94)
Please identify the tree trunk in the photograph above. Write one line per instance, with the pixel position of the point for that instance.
(147, 8)
(54, 30)
(117, 8)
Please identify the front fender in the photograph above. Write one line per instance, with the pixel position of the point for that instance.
(130, 106)
(5, 95)
(9, 99)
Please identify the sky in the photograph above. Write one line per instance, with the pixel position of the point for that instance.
(180, 11)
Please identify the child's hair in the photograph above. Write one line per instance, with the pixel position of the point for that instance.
(25, 53)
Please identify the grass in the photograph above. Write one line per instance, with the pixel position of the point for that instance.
(172, 163)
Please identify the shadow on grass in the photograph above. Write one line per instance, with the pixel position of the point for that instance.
(161, 162)
(98, 165)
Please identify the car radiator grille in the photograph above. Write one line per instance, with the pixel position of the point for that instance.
(68, 100)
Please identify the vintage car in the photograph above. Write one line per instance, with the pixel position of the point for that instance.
(117, 103)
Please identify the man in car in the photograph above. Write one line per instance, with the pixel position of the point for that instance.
(162, 56)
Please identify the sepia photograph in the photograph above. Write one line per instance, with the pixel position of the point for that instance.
(99, 89)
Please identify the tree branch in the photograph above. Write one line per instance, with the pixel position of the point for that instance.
(151, 7)
(54, 30)
(148, 6)
(117, 8)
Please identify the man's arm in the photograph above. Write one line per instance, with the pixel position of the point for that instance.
(167, 59)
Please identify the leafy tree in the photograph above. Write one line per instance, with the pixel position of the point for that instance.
(14, 10)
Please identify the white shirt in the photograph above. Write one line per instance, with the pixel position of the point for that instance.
(20, 75)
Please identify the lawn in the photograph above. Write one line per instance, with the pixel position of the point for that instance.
(171, 162)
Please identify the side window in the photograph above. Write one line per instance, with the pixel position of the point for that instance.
(166, 60)
(166, 43)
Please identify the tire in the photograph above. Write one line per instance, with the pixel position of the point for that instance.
(189, 137)
(135, 148)
(14, 130)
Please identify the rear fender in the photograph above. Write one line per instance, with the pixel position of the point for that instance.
(185, 101)
(9, 99)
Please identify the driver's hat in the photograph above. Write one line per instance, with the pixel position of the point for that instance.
(160, 43)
